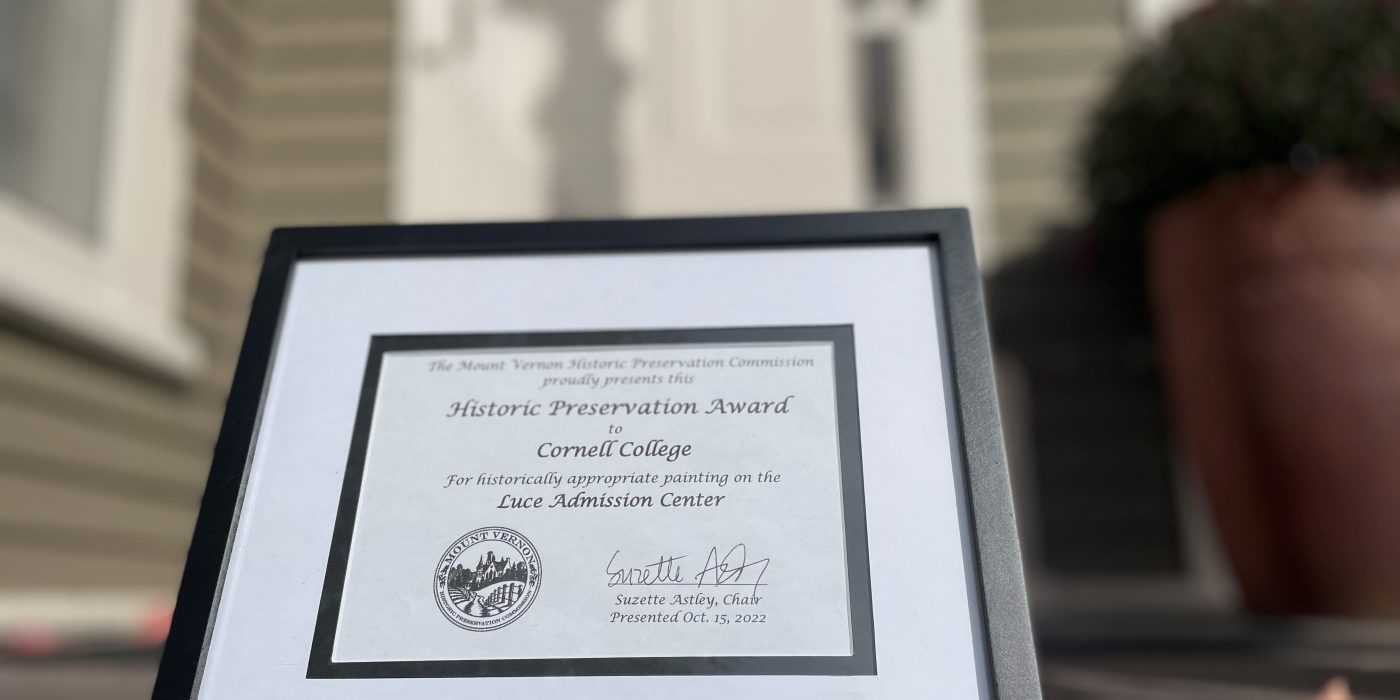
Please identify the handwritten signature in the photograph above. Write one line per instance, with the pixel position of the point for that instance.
(731, 569)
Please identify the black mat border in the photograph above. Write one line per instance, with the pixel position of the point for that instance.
(1009, 650)
(860, 662)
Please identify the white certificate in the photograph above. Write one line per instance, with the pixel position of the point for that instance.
(633, 495)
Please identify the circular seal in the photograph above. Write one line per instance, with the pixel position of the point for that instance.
(487, 579)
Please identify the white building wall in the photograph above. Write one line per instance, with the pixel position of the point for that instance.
(511, 109)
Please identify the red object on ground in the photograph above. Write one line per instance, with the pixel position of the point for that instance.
(156, 626)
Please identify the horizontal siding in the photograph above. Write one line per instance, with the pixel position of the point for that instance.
(284, 15)
(1046, 64)
(41, 378)
(1040, 15)
(102, 448)
(1096, 453)
(46, 558)
(155, 520)
(101, 468)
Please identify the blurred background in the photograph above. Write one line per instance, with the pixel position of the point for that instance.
(148, 147)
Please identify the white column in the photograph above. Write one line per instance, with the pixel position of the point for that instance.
(946, 140)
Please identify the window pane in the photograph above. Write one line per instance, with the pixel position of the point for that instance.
(55, 58)
(880, 118)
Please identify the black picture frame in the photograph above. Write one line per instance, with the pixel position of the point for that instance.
(975, 425)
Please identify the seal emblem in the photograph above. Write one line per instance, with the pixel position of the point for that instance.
(487, 579)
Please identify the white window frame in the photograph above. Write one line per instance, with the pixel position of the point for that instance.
(118, 289)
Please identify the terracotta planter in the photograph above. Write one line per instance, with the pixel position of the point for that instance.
(1277, 301)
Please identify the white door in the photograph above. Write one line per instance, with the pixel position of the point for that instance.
(739, 106)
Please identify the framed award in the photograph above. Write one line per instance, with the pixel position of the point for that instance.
(749, 457)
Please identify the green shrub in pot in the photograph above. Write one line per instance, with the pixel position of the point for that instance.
(1247, 84)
